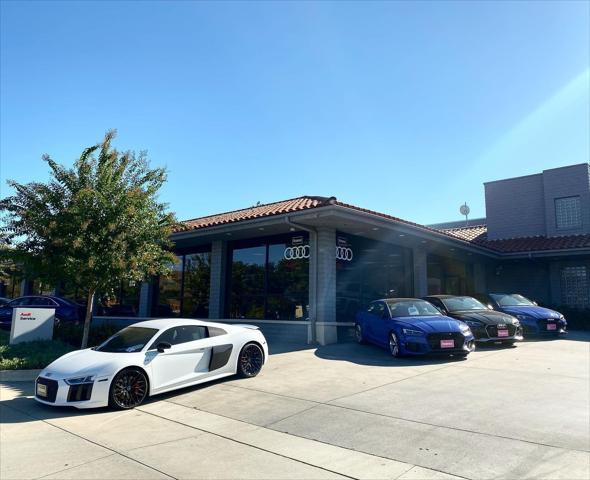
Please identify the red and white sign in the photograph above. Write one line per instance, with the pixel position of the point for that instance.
(447, 343)
(551, 326)
(502, 333)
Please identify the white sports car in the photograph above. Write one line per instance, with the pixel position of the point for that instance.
(148, 358)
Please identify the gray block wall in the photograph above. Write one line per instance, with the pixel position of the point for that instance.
(567, 182)
(515, 207)
(525, 206)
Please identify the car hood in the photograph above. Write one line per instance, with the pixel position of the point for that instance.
(532, 311)
(487, 317)
(437, 324)
(85, 362)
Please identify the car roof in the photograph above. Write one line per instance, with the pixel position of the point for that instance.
(396, 300)
(161, 323)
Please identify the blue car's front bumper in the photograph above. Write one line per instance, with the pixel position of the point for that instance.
(437, 344)
(551, 326)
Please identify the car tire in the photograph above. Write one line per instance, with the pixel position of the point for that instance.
(394, 346)
(250, 360)
(129, 389)
(358, 334)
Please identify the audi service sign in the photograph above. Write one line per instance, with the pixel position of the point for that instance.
(32, 324)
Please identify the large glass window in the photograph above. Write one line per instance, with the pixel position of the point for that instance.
(449, 276)
(575, 286)
(367, 270)
(269, 280)
(197, 280)
(568, 213)
(185, 290)
(169, 291)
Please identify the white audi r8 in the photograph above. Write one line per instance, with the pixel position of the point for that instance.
(148, 358)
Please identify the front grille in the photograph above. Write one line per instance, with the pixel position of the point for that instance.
(435, 338)
(492, 330)
(78, 393)
(51, 389)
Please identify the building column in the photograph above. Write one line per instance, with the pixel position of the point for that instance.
(146, 294)
(420, 258)
(218, 279)
(326, 286)
(479, 278)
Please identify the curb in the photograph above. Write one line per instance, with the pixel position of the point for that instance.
(18, 375)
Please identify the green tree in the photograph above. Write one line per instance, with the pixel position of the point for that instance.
(95, 224)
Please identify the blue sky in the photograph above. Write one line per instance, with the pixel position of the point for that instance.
(402, 107)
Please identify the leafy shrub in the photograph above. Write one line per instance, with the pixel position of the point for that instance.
(36, 354)
(40, 353)
(72, 334)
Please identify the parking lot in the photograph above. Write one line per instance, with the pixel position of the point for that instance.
(340, 411)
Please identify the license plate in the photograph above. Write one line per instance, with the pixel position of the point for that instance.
(551, 326)
(447, 343)
(41, 390)
(502, 333)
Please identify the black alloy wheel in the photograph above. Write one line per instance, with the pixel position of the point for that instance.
(394, 345)
(250, 360)
(128, 389)
(358, 334)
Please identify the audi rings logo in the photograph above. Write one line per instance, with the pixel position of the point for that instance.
(296, 253)
(344, 253)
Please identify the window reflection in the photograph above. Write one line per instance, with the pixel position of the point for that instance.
(377, 270)
(197, 272)
(265, 285)
(169, 290)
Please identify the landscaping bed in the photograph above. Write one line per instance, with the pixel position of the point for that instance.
(40, 353)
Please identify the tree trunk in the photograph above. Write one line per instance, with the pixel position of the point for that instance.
(87, 320)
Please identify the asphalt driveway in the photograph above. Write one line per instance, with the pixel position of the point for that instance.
(341, 411)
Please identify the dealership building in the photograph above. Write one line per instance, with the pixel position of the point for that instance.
(307, 264)
(304, 266)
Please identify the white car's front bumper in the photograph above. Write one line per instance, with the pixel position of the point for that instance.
(59, 393)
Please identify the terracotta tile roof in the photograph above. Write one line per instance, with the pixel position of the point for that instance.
(475, 234)
(471, 233)
(478, 235)
(257, 211)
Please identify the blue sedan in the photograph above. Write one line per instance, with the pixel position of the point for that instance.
(409, 326)
(535, 320)
(65, 310)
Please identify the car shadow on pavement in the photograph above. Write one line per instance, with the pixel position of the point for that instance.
(573, 335)
(376, 356)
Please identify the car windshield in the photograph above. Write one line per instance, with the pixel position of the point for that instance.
(512, 300)
(128, 340)
(409, 308)
(457, 304)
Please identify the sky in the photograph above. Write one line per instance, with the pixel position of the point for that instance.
(406, 108)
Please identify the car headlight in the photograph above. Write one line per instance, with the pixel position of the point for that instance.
(80, 380)
(465, 330)
(473, 323)
(415, 333)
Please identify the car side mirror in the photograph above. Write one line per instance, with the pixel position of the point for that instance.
(163, 346)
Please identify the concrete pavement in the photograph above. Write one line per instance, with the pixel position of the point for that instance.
(341, 411)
